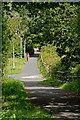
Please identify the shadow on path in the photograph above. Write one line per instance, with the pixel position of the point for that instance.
(62, 104)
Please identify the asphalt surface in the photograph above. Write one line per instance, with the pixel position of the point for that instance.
(62, 104)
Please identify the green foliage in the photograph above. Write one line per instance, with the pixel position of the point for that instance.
(51, 58)
(42, 68)
(75, 70)
(44, 23)
(11, 87)
(5, 40)
(36, 45)
(73, 86)
(29, 47)
(52, 79)
(66, 34)
(10, 25)
(57, 23)
(51, 82)
(49, 55)
(15, 102)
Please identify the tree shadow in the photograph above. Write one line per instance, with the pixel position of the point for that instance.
(58, 102)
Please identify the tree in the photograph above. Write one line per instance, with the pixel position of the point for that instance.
(44, 23)
(10, 25)
(66, 34)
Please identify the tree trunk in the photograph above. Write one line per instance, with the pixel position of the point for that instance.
(21, 48)
(24, 48)
(13, 56)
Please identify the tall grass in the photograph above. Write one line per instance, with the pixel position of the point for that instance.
(16, 104)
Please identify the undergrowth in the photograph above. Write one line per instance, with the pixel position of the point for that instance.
(74, 85)
(46, 75)
(15, 103)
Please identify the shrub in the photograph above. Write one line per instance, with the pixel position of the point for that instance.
(12, 87)
(50, 55)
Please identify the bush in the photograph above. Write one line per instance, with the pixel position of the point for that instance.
(49, 55)
(42, 68)
(16, 104)
(58, 75)
(73, 86)
(12, 87)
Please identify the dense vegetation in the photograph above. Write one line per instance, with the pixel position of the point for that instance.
(49, 55)
(42, 23)
(50, 78)
(54, 72)
(27, 25)
(15, 102)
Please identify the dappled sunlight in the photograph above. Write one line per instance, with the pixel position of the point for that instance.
(29, 80)
(43, 88)
(55, 100)
(41, 51)
(63, 110)
(69, 115)
(62, 103)
(33, 77)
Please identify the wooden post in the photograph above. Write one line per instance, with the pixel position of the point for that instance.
(50, 71)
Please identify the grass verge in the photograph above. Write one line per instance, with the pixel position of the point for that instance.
(71, 86)
(15, 102)
(19, 65)
(49, 81)
(42, 68)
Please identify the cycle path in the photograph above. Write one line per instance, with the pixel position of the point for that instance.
(63, 105)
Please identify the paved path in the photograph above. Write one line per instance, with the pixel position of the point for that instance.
(60, 103)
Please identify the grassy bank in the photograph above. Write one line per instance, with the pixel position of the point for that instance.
(46, 75)
(15, 102)
(19, 65)
(53, 81)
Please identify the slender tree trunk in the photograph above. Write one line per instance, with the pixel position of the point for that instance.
(13, 56)
(24, 48)
(21, 47)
